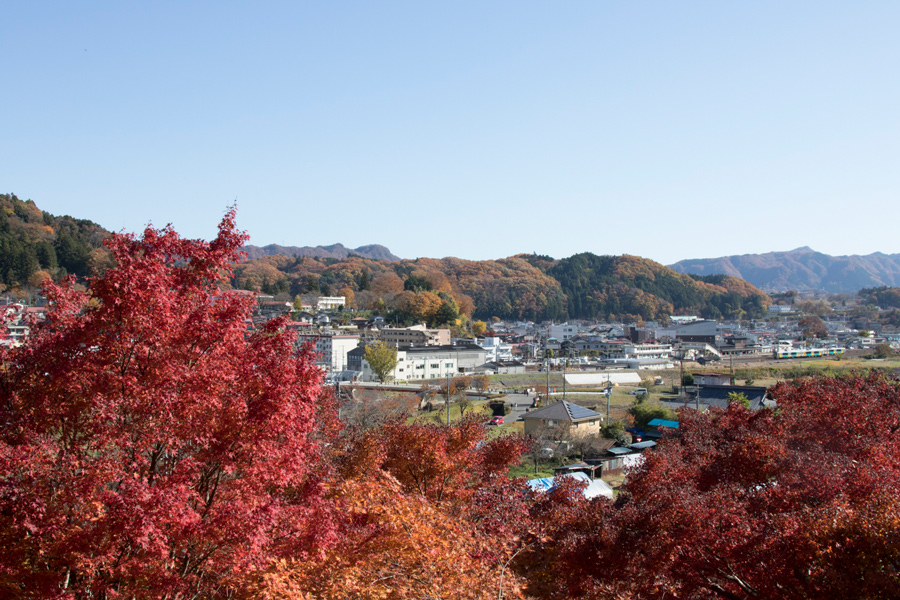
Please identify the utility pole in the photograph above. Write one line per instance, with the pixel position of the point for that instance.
(547, 394)
(565, 371)
(608, 394)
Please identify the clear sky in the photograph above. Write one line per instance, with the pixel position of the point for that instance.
(668, 130)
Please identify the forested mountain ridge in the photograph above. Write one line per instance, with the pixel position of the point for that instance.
(339, 251)
(584, 286)
(35, 244)
(631, 285)
(802, 270)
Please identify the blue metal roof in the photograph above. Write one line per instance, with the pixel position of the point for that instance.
(663, 423)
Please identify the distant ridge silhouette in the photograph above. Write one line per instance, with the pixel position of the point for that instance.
(802, 270)
(339, 251)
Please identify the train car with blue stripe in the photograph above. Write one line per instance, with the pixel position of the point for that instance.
(808, 352)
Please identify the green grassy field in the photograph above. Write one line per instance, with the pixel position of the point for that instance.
(526, 469)
(439, 415)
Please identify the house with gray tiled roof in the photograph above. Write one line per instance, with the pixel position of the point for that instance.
(563, 415)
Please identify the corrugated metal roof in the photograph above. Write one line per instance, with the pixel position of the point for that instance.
(618, 450)
(642, 445)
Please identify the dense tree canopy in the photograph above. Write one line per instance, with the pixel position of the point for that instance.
(32, 241)
(885, 297)
(799, 502)
(151, 446)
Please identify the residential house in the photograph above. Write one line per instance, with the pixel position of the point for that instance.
(565, 416)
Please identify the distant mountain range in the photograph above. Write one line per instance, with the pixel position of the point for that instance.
(802, 270)
(34, 244)
(338, 251)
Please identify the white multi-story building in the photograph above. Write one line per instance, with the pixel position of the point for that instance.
(332, 349)
(431, 362)
(647, 351)
(413, 365)
(415, 335)
(495, 349)
(563, 331)
(331, 302)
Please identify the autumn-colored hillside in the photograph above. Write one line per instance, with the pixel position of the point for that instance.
(35, 245)
(583, 286)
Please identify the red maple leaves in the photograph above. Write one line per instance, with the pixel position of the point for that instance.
(153, 446)
(800, 502)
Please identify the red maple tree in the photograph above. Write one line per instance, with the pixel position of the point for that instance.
(153, 446)
(798, 502)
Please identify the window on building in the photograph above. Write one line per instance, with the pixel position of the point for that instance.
(435, 365)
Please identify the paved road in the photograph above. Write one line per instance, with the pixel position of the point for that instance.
(518, 403)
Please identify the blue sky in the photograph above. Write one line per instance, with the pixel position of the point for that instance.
(669, 130)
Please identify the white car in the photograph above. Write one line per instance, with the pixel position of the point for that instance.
(637, 391)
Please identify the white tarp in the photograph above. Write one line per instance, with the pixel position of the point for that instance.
(603, 378)
(595, 487)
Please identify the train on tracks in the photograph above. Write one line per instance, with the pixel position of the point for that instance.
(807, 352)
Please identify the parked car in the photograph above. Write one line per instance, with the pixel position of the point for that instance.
(637, 391)
(496, 421)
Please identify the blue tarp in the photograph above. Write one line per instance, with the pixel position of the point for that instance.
(595, 487)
